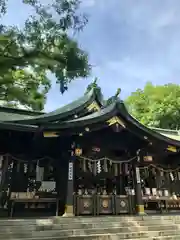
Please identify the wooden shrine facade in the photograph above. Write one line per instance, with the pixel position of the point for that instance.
(85, 159)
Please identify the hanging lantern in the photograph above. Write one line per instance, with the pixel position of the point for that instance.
(78, 151)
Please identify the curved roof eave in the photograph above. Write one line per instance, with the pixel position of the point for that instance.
(147, 131)
(18, 127)
(116, 109)
(64, 112)
(93, 118)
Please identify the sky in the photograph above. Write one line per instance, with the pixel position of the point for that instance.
(129, 42)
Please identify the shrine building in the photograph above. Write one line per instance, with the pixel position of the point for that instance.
(86, 159)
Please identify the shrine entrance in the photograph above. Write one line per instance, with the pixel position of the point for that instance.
(104, 174)
(103, 187)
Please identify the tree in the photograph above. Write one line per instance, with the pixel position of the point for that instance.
(156, 106)
(43, 45)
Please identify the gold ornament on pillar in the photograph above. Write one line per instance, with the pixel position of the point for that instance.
(78, 151)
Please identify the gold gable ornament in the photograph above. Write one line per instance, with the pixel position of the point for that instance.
(116, 120)
(50, 134)
(172, 148)
(93, 107)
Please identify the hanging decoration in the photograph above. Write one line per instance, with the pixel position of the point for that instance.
(171, 176)
(25, 168)
(105, 159)
(98, 167)
(161, 168)
(26, 161)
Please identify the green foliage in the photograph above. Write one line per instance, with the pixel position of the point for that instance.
(42, 46)
(156, 106)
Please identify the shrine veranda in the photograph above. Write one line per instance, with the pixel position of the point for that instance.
(86, 159)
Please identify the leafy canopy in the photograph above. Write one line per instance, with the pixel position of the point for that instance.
(42, 46)
(156, 106)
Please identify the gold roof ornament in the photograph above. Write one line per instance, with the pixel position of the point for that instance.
(93, 107)
(116, 120)
(172, 148)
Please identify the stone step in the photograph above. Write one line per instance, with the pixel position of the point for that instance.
(98, 236)
(126, 233)
(175, 237)
(91, 219)
(110, 225)
(83, 224)
(114, 219)
(75, 222)
(117, 236)
(99, 227)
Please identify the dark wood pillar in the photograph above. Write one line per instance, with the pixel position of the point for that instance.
(138, 192)
(69, 208)
(4, 161)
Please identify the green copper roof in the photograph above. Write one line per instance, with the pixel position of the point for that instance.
(66, 111)
(18, 127)
(116, 109)
(173, 134)
(12, 114)
(63, 118)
